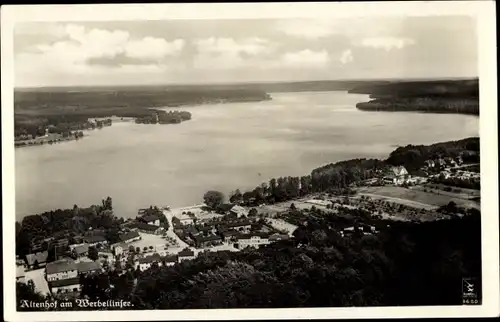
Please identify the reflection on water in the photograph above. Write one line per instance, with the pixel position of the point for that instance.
(224, 147)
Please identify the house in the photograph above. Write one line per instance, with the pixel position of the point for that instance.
(171, 260)
(239, 225)
(239, 211)
(277, 237)
(95, 240)
(146, 262)
(191, 231)
(148, 229)
(88, 267)
(186, 254)
(20, 276)
(430, 163)
(229, 235)
(252, 240)
(60, 270)
(70, 285)
(120, 248)
(63, 242)
(398, 175)
(208, 229)
(150, 220)
(186, 220)
(205, 241)
(81, 250)
(37, 259)
(129, 237)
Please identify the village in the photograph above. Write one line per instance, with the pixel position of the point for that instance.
(164, 236)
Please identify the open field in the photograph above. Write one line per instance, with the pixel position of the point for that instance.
(413, 197)
(157, 241)
(461, 193)
(37, 276)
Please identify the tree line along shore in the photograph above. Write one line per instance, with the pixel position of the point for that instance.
(325, 264)
(63, 110)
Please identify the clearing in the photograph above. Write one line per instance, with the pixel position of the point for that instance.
(414, 197)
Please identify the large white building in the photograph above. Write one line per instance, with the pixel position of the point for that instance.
(61, 269)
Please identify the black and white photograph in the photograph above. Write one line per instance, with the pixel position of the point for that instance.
(190, 157)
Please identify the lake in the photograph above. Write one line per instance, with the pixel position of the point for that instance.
(223, 147)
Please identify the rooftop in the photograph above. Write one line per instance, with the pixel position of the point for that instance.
(129, 235)
(148, 227)
(95, 239)
(150, 259)
(60, 266)
(171, 259)
(41, 257)
(150, 218)
(186, 252)
(84, 267)
(81, 249)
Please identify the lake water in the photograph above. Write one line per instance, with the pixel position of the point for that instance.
(224, 147)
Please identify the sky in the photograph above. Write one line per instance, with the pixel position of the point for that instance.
(249, 50)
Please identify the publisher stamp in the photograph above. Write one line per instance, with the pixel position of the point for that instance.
(470, 291)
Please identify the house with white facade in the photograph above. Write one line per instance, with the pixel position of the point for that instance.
(95, 240)
(186, 254)
(150, 220)
(255, 240)
(171, 260)
(60, 270)
(61, 287)
(146, 262)
(239, 211)
(88, 267)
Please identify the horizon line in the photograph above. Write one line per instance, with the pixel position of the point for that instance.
(254, 82)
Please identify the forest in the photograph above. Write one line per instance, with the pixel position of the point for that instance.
(317, 268)
(66, 109)
(336, 177)
(445, 96)
(66, 223)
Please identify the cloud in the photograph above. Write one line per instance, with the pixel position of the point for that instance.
(80, 48)
(346, 57)
(249, 46)
(229, 53)
(153, 48)
(387, 43)
(306, 58)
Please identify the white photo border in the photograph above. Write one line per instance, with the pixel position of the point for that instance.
(484, 11)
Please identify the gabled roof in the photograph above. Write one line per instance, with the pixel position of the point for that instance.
(150, 259)
(41, 257)
(238, 208)
(229, 233)
(84, 267)
(148, 227)
(129, 235)
(59, 266)
(150, 218)
(399, 171)
(94, 239)
(185, 253)
(255, 234)
(171, 259)
(81, 249)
